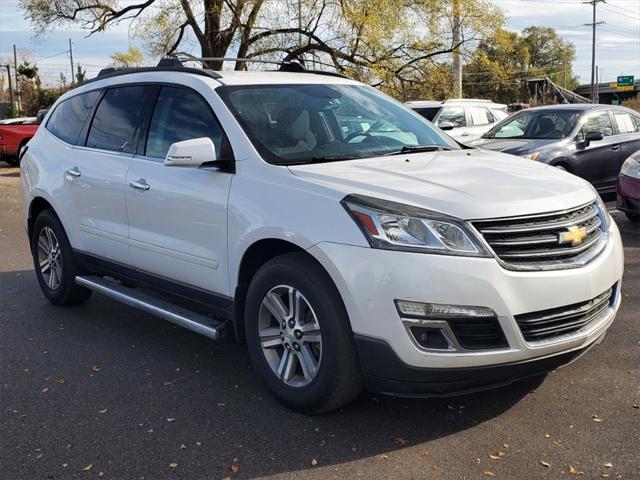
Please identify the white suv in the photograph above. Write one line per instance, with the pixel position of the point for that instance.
(463, 119)
(341, 236)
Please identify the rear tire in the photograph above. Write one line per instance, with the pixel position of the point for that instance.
(54, 262)
(11, 160)
(305, 353)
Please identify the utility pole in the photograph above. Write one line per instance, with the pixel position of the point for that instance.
(10, 88)
(456, 63)
(593, 24)
(15, 66)
(71, 58)
(597, 97)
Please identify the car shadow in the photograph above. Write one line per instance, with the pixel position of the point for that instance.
(164, 386)
(7, 170)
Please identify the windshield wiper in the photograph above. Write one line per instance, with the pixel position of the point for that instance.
(334, 158)
(420, 148)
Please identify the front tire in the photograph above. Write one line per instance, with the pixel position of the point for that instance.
(299, 337)
(54, 262)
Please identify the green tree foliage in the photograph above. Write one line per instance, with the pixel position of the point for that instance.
(81, 74)
(502, 63)
(396, 44)
(133, 57)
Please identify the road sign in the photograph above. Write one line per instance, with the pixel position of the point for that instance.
(625, 88)
(625, 81)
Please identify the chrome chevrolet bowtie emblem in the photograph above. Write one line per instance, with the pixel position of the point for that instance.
(574, 235)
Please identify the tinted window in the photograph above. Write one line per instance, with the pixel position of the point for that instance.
(547, 124)
(67, 120)
(598, 122)
(114, 124)
(181, 114)
(454, 115)
(428, 113)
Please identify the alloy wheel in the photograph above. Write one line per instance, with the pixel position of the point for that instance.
(290, 336)
(49, 258)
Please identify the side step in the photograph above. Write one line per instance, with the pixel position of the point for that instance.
(209, 327)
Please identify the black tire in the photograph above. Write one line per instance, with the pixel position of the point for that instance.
(338, 379)
(11, 160)
(66, 292)
(633, 216)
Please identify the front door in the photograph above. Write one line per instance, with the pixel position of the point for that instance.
(593, 161)
(178, 215)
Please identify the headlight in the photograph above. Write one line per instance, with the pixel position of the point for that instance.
(631, 168)
(531, 156)
(394, 226)
(605, 218)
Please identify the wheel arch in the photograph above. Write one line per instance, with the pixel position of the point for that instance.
(254, 257)
(562, 162)
(38, 205)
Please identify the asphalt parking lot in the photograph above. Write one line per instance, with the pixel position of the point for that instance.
(104, 391)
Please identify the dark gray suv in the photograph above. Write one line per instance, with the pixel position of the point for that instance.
(591, 141)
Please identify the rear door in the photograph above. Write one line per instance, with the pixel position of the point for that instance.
(482, 119)
(627, 125)
(593, 162)
(98, 173)
(178, 222)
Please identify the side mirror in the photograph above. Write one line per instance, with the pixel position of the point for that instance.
(446, 126)
(191, 153)
(591, 136)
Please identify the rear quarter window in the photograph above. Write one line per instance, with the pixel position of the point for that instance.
(68, 118)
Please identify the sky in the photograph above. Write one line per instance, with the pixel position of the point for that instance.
(617, 51)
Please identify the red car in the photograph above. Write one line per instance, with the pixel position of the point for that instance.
(15, 135)
(629, 187)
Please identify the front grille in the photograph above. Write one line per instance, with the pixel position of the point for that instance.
(565, 320)
(533, 242)
(478, 333)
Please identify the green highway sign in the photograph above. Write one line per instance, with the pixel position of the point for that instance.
(625, 81)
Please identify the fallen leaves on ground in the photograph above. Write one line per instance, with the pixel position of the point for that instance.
(173, 465)
(61, 381)
(234, 468)
(95, 368)
(87, 468)
(575, 471)
(488, 473)
(608, 465)
(103, 411)
(314, 462)
(183, 447)
(168, 382)
(384, 457)
(545, 464)
(597, 419)
(171, 419)
(44, 390)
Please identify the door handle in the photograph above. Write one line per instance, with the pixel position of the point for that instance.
(74, 172)
(140, 185)
(615, 148)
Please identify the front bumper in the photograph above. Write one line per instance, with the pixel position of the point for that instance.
(370, 280)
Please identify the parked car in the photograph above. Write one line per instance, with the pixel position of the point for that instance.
(252, 203)
(14, 136)
(463, 119)
(628, 187)
(588, 140)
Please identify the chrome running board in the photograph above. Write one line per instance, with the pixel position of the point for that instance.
(195, 322)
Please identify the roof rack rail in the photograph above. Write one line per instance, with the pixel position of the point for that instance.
(291, 66)
(475, 100)
(163, 66)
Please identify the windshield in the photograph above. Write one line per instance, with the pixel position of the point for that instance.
(540, 124)
(302, 123)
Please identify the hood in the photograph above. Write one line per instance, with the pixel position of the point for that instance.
(514, 146)
(468, 184)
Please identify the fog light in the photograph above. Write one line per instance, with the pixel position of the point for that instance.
(440, 311)
(430, 338)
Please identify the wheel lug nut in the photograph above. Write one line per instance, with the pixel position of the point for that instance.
(287, 346)
(292, 324)
(284, 324)
(296, 347)
(282, 335)
(298, 334)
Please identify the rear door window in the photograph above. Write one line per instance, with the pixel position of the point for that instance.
(480, 116)
(454, 115)
(68, 118)
(624, 122)
(116, 120)
(181, 114)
